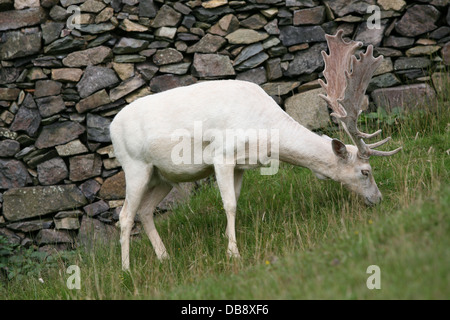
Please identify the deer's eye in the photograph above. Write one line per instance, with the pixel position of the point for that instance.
(365, 172)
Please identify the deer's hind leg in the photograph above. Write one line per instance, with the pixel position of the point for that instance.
(226, 182)
(153, 196)
(137, 177)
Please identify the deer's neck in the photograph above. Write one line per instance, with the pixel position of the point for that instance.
(302, 147)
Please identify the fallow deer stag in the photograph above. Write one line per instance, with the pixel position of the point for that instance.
(142, 136)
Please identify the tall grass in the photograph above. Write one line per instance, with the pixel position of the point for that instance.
(298, 237)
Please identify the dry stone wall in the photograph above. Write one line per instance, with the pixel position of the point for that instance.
(68, 66)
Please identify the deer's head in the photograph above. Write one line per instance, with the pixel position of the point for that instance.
(347, 80)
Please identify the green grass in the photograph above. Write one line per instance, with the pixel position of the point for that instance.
(299, 238)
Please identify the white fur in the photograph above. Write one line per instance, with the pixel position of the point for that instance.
(141, 135)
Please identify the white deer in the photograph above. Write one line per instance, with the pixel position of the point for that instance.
(142, 138)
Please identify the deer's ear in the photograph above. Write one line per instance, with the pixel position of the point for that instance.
(339, 149)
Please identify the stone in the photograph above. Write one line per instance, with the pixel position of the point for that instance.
(15, 19)
(30, 226)
(84, 167)
(440, 33)
(256, 75)
(255, 22)
(17, 44)
(125, 88)
(208, 44)
(46, 88)
(184, 36)
(167, 56)
(343, 7)
(130, 45)
(441, 82)
(372, 36)
(93, 101)
(113, 187)
(58, 133)
(93, 231)
(387, 52)
(290, 35)
(98, 28)
(51, 31)
(246, 36)
(129, 58)
(406, 97)
(27, 120)
(36, 73)
(8, 75)
(253, 62)
(307, 61)
(280, 88)
(308, 109)
(147, 70)
(96, 208)
(383, 81)
(98, 128)
(7, 117)
(57, 13)
(87, 57)
(422, 51)
(177, 68)
(52, 171)
(62, 45)
(28, 202)
(411, 63)
(445, 51)
(225, 25)
(417, 20)
(8, 148)
(213, 3)
(38, 156)
(211, 65)
(396, 5)
(90, 189)
(52, 236)
(96, 78)
(104, 15)
(272, 27)
(166, 17)
(9, 94)
(188, 21)
(398, 42)
(274, 69)
(170, 81)
(124, 70)
(8, 134)
(166, 32)
(13, 174)
(385, 67)
(67, 74)
(24, 4)
(93, 6)
(71, 148)
(49, 106)
(314, 15)
(67, 223)
(248, 52)
(147, 9)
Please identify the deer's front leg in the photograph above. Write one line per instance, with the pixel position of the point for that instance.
(225, 181)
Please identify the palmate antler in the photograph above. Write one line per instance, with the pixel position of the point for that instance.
(347, 80)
